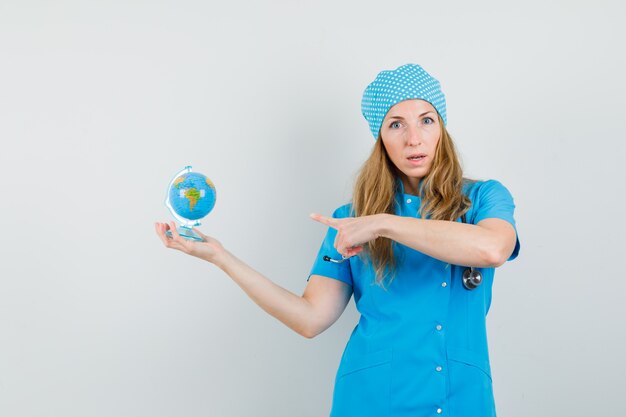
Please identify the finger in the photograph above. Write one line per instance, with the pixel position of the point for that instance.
(174, 231)
(328, 221)
(161, 228)
(343, 244)
(355, 250)
(180, 242)
(343, 251)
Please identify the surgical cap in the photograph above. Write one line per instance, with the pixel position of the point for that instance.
(409, 81)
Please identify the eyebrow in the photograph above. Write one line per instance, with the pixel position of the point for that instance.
(400, 117)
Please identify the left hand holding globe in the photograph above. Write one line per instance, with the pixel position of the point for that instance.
(209, 249)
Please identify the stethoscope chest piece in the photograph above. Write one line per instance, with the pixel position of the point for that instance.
(472, 278)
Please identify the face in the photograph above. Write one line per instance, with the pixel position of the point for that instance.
(410, 134)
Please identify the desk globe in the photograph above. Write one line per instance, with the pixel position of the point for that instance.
(190, 197)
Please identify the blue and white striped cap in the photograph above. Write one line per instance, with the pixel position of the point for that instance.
(390, 87)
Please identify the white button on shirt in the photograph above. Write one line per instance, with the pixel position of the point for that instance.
(438, 369)
(439, 411)
(444, 284)
(408, 201)
(439, 327)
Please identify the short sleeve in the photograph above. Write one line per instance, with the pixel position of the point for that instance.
(493, 200)
(339, 271)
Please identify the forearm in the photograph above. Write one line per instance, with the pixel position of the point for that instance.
(292, 310)
(451, 242)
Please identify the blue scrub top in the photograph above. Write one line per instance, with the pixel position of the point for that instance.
(420, 346)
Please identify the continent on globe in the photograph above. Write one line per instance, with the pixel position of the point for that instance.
(193, 195)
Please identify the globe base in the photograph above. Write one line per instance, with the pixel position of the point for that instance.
(186, 233)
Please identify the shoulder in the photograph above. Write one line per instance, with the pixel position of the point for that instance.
(343, 211)
(490, 198)
(477, 189)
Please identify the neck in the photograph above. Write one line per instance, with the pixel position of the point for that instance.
(411, 185)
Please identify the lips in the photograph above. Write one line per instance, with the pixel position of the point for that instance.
(416, 159)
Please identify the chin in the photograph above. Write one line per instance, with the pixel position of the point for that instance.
(417, 172)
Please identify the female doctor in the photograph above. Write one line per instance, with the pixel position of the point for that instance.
(417, 246)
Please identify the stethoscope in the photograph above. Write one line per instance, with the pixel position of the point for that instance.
(472, 278)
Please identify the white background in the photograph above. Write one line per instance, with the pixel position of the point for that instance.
(101, 103)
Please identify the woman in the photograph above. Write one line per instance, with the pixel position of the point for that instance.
(403, 247)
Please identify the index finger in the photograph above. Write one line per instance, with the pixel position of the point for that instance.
(328, 221)
(173, 230)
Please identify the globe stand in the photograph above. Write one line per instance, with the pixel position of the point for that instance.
(186, 233)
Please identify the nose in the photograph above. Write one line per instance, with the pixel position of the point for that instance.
(413, 136)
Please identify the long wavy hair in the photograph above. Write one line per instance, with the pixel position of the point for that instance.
(441, 192)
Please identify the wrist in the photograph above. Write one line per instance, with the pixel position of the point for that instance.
(222, 259)
(383, 227)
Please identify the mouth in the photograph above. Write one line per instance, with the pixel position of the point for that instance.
(416, 157)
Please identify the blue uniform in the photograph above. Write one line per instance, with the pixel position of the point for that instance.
(420, 346)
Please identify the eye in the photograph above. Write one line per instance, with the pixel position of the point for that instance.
(430, 122)
(394, 125)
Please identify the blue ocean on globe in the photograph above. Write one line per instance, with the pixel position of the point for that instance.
(192, 196)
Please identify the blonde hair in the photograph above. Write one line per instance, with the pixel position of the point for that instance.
(441, 192)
